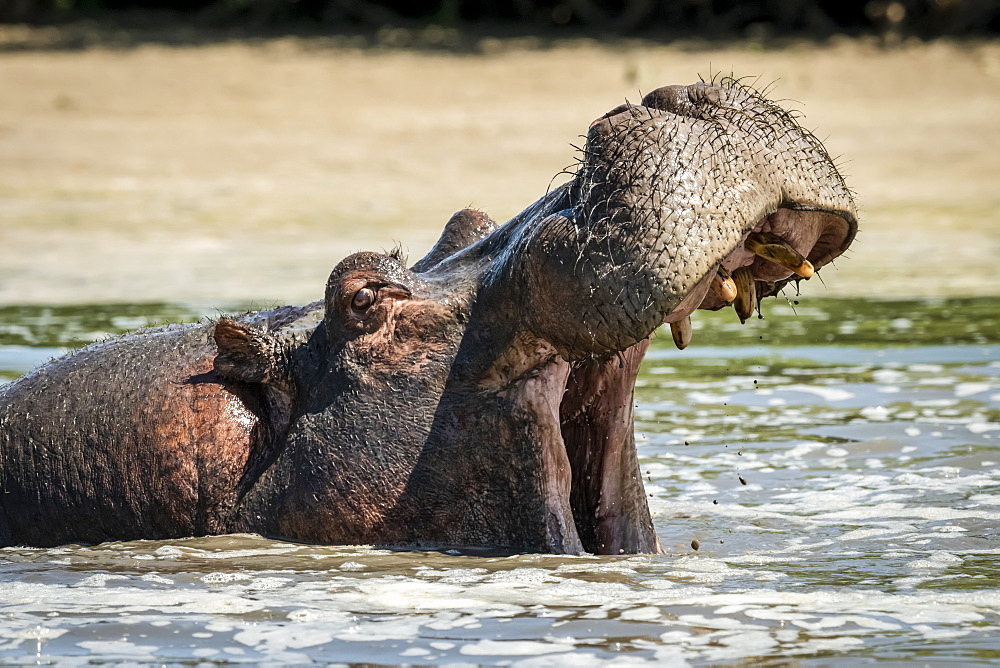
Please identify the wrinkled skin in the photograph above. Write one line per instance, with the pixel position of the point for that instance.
(482, 397)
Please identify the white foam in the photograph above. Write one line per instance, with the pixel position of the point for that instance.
(889, 376)
(933, 633)
(818, 645)
(970, 389)
(277, 638)
(982, 427)
(487, 647)
(222, 578)
(119, 649)
(830, 394)
(645, 613)
(707, 398)
(703, 622)
(875, 413)
(36, 632)
(269, 583)
(101, 579)
(352, 566)
(35, 597)
(937, 560)
(873, 532)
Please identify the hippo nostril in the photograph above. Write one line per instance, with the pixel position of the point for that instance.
(701, 92)
(363, 299)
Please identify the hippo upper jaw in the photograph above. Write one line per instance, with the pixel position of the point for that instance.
(695, 185)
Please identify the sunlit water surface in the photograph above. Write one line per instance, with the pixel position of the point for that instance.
(837, 464)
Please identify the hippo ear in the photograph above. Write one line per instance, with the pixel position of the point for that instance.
(247, 354)
(463, 229)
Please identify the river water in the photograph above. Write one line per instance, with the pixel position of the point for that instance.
(837, 465)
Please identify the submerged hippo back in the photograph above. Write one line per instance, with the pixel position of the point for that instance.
(134, 436)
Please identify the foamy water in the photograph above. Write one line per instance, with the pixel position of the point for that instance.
(844, 499)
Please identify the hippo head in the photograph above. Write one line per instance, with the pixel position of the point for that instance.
(483, 396)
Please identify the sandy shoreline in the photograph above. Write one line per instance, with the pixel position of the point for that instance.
(237, 172)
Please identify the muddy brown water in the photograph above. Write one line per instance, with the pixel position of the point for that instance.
(866, 432)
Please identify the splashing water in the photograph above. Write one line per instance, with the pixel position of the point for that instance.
(844, 499)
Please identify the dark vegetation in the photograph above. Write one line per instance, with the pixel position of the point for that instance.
(758, 20)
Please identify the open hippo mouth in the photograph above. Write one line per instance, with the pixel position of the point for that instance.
(595, 412)
(484, 396)
(787, 245)
(703, 196)
(596, 408)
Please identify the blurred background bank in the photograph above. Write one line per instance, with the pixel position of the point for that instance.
(225, 151)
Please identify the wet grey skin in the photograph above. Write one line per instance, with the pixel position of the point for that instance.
(480, 398)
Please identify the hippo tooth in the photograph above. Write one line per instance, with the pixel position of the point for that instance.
(772, 247)
(723, 286)
(746, 297)
(681, 332)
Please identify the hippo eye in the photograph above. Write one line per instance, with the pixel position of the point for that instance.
(363, 299)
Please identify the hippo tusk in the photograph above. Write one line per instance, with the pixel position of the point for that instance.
(723, 286)
(775, 249)
(681, 332)
(746, 298)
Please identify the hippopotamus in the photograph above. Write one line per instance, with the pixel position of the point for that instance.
(481, 397)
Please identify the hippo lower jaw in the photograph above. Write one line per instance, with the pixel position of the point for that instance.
(607, 496)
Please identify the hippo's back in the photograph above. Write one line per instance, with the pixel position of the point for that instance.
(134, 437)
